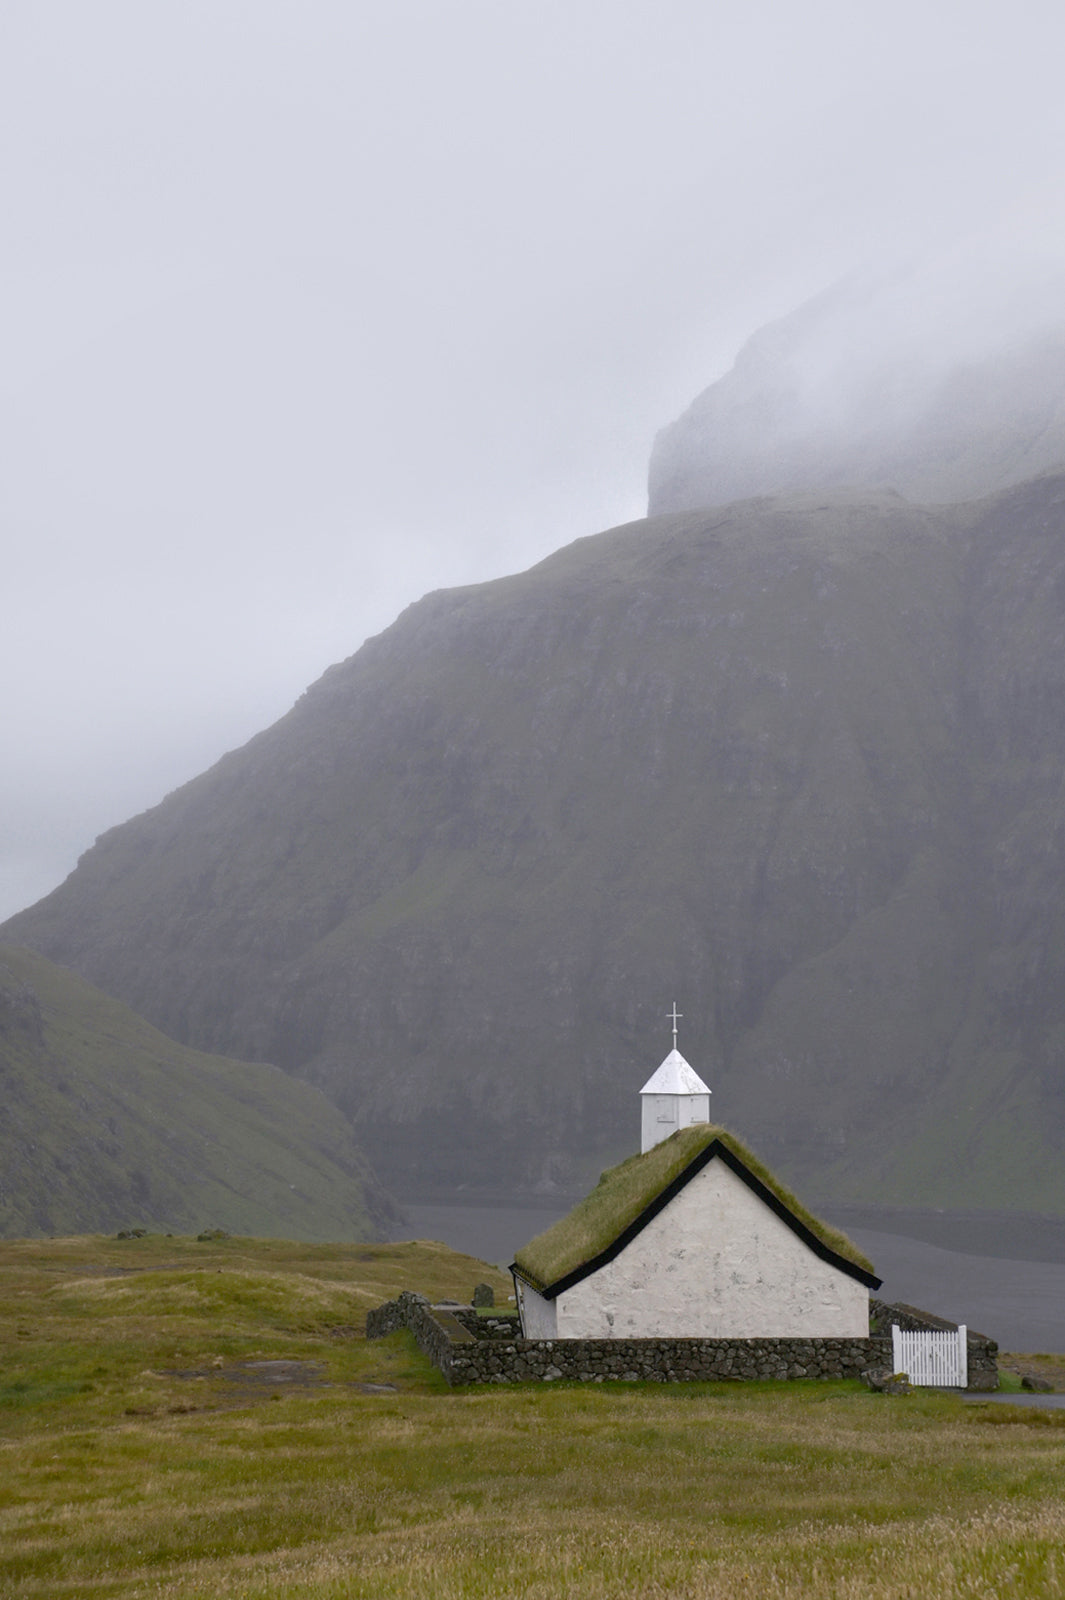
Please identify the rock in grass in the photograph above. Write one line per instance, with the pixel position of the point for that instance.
(883, 1381)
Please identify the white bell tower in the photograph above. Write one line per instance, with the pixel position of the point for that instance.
(673, 1097)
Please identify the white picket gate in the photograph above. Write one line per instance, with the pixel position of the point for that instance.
(941, 1359)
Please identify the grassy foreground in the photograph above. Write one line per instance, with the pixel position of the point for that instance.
(145, 1450)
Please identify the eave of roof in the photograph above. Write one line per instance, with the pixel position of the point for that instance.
(718, 1145)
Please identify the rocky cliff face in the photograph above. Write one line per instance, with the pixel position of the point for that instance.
(796, 762)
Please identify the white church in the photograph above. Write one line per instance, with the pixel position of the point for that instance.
(692, 1238)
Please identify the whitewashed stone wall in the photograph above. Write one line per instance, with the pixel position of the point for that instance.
(716, 1263)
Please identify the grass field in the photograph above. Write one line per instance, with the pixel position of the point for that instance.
(149, 1447)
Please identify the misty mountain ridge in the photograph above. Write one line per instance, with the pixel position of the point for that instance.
(915, 383)
(795, 761)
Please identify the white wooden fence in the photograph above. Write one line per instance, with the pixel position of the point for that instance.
(941, 1359)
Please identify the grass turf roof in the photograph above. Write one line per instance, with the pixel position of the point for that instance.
(625, 1191)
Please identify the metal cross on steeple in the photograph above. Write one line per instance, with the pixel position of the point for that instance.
(676, 1016)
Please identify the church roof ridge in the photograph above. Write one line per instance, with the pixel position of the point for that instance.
(629, 1195)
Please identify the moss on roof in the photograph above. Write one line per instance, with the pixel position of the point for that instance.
(625, 1191)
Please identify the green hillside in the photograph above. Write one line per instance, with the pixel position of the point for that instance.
(109, 1125)
(796, 762)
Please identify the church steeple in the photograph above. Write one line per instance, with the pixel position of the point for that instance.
(673, 1097)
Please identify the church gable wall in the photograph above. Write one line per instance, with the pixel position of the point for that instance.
(715, 1263)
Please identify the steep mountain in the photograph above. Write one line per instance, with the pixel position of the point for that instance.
(108, 1124)
(879, 383)
(796, 762)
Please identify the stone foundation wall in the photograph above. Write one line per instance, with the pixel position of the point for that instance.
(466, 1353)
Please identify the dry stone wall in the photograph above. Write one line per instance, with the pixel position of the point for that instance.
(468, 1352)
(466, 1357)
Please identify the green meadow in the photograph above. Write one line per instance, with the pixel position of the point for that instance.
(204, 1419)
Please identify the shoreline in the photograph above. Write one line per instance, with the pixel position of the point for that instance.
(1000, 1235)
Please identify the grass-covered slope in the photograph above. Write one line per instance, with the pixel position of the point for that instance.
(107, 1124)
(624, 1192)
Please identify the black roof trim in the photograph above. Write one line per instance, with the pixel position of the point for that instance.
(715, 1148)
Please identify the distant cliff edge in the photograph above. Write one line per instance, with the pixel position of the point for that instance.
(892, 385)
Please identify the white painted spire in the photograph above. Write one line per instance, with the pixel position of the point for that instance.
(673, 1097)
(675, 1076)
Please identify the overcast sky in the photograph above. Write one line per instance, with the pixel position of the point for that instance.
(309, 308)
